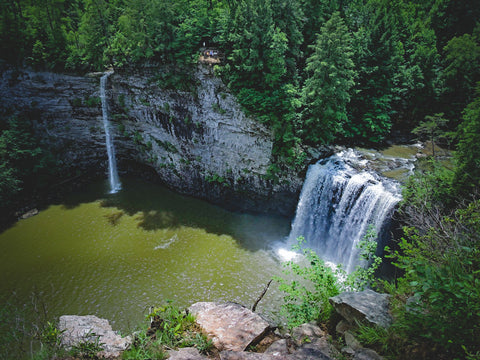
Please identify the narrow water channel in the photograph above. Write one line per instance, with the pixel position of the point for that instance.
(114, 255)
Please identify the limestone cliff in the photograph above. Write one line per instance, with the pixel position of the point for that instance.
(199, 142)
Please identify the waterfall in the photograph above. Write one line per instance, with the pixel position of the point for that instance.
(115, 184)
(338, 204)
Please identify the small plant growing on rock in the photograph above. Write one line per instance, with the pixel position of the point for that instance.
(88, 348)
(169, 328)
(93, 101)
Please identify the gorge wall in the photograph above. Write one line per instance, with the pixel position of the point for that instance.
(198, 142)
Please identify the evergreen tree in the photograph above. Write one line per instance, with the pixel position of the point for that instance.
(289, 18)
(94, 34)
(461, 73)
(327, 90)
(467, 177)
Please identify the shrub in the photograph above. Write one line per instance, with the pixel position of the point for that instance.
(307, 299)
(314, 282)
(169, 328)
(440, 291)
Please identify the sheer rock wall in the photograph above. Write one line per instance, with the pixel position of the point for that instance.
(198, 143)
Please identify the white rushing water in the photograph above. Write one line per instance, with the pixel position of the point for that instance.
(115, 184)
(338, 204)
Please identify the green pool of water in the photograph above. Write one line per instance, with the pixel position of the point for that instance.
(115, 255)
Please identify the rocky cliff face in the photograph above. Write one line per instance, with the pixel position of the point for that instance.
(199, 142)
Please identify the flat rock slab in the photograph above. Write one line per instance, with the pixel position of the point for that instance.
(362, 306)
(366, 354)
(230, 326)
(186, 354)
(77, 329)
(244, 355)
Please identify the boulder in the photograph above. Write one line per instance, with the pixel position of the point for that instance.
(366, 354)
(364, 306)
(351, 341)
(29, 214)
(189, 353)
(244, 355)
(342, 326)
(78, 329)
(230, 326)
(318, 349)
(279, 347)
(306, 333)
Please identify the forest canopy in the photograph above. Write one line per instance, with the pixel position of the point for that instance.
(347, 71)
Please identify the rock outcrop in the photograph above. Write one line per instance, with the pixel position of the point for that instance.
(367, 307)
(235, 331)
(77, 329)
(198, 143)
(364, 306)
(230, 326)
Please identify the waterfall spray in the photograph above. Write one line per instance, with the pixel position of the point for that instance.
(336, 207)
(115, 184)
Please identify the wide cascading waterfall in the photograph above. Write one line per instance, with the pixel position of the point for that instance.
(338, 204)
(115, 184)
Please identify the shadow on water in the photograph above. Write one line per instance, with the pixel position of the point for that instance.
(156, 207)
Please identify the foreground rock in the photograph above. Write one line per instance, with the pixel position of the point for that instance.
(360, 307)
(78, 329)
(364, 306)
(230, 326)
(186, 354)
(309, 342)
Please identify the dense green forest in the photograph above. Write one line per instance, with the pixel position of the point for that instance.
(317, 72)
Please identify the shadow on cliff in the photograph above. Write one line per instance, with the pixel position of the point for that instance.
(155, 207)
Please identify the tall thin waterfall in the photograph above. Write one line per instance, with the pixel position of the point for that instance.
(115, 184)
(337, 205)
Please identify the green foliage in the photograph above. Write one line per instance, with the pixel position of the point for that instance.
(441, 274)
(23, 162)
(462, 71)
(216, 107)
(436, 301)
(93, 101)
(364, 275)
(137, 138)
(51, 335)
(306, 302)
(88, 348)
(432, 128)
(327, 88)
(14, 328)
(170, 328)
(467, 174)
(310, 283)
(144, 347)
(217, 179)
(168, 146)
(430, 188)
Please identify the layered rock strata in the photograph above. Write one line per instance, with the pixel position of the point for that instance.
(198, 142)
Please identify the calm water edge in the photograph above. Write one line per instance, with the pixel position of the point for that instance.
(114, 255)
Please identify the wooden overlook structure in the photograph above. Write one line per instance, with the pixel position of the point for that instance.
(211, 55)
